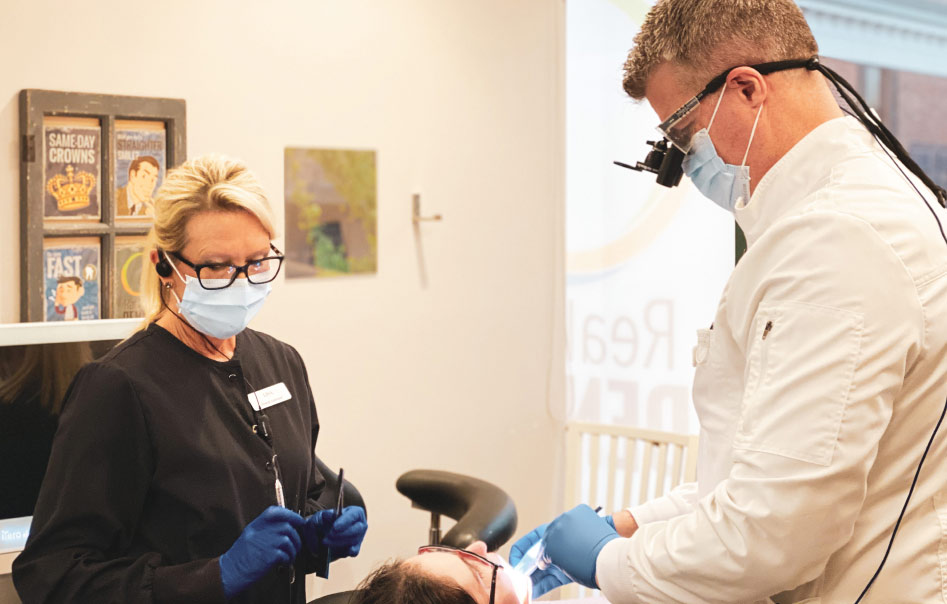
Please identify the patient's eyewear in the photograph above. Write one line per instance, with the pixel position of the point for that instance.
(467, 556)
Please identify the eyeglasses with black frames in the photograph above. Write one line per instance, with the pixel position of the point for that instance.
(215, 275)
(469, 557)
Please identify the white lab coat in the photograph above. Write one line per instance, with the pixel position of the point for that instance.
(817, 389)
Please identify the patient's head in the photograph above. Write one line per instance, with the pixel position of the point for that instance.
(445, 576)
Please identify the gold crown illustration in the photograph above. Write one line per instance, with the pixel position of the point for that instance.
(72, 190)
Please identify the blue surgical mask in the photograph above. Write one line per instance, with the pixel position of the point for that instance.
(724, 184)
(221, 313)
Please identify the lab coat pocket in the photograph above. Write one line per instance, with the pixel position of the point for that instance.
(798, 376)
(712, 384)
(702, 349)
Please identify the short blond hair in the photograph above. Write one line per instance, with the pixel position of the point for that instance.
(708, 36)
(210, 183)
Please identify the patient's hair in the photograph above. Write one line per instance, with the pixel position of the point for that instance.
(400, 583)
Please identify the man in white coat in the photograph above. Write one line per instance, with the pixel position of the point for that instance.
(824, 373)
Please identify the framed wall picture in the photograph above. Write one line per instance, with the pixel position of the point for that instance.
(72, 168)
(126, 291)
(331, 212)
(140, 162)
(71, 270)
(90, 164)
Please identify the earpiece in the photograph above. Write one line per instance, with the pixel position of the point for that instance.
(163, 267)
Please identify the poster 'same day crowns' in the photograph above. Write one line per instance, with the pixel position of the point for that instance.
(72, 190)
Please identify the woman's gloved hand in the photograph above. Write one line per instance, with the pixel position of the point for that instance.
(343, 535)
(272, 539)
(544, 580)
(574, 540)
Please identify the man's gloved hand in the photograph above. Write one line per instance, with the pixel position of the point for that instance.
(574, 539)
(271, 539)
(343, 535)
(544, 580)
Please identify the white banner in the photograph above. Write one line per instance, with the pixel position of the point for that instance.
(645, 264)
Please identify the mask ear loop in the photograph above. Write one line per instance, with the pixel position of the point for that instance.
(752, 134)
(175, 268)
(168, 258)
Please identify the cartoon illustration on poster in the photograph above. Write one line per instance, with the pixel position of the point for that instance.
(331, 212)
(71, 279)
(126, 292)
(73, 165)
(139, 167)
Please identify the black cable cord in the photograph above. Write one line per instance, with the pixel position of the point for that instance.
(904, 508)
(930, 442)
(874, 124)
(897, 165)
(257, 413)
(164, 303)
(860, 115)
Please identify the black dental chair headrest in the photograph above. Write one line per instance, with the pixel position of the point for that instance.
(483, 511)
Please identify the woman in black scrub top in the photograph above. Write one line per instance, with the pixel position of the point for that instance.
(182, 469)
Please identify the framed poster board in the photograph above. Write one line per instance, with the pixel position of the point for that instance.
(140, 154)
(126, 290)
(90, 164)
(71, 270)
(73, 169)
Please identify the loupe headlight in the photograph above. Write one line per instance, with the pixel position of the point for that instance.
(665, 160)
(667, 155)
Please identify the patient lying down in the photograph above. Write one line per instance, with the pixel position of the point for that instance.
(443, 575)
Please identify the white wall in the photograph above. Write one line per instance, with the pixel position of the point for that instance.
(450, 356)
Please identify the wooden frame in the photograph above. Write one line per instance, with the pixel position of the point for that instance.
(38, 106)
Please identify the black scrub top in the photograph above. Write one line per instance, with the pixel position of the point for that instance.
(155, 470)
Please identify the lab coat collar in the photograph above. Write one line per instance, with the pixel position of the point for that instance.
(803, 169)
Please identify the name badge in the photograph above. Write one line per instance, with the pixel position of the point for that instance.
(269, 396)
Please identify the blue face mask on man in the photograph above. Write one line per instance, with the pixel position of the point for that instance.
(220, 313)
(724, 184)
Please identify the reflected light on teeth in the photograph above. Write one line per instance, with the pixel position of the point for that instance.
(522, 585)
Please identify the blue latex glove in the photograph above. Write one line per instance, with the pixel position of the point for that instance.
(343, 535)
(544, 580)
(573, 541)
(272, 539)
